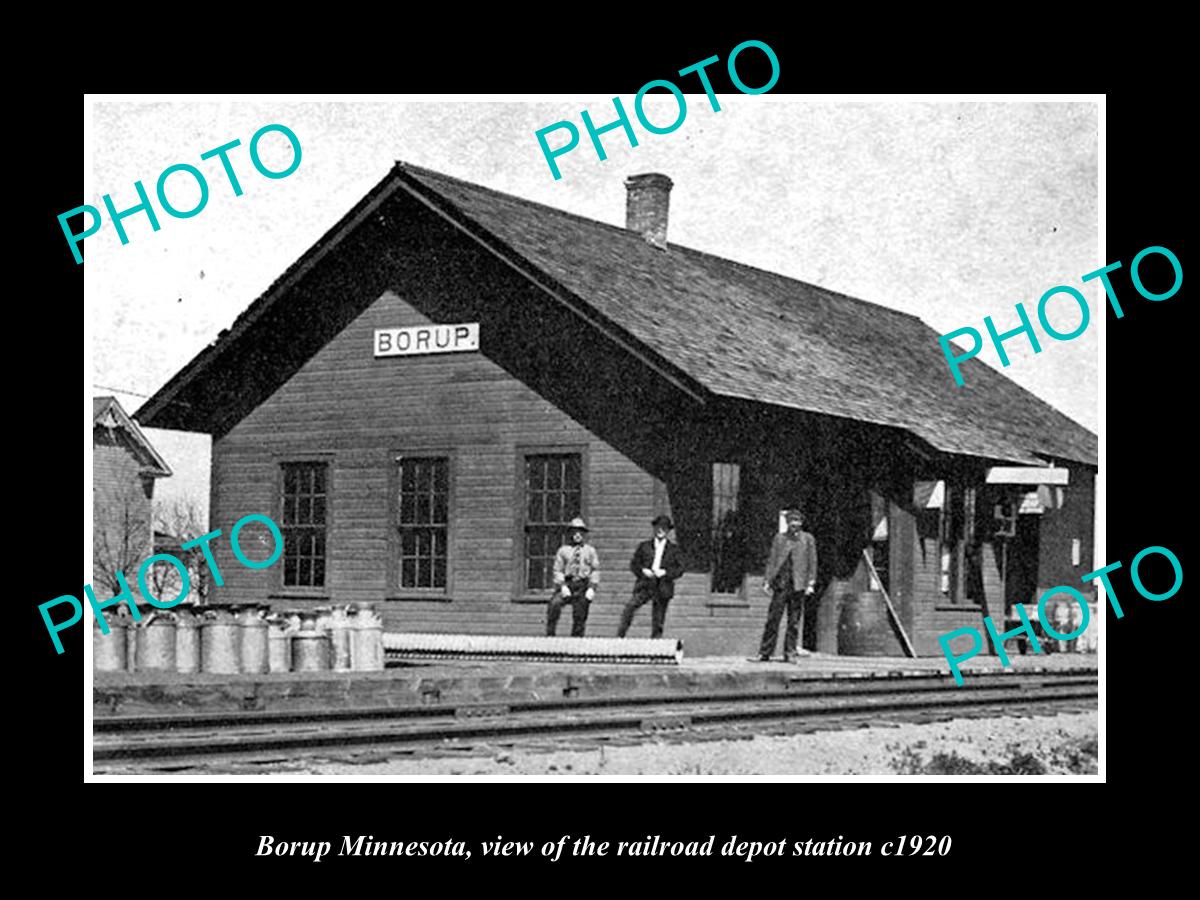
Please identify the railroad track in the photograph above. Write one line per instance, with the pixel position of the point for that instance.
(188, 739)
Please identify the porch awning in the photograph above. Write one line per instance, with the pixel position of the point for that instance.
(1028, 475)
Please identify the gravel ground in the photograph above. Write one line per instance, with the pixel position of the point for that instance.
(1061, 744)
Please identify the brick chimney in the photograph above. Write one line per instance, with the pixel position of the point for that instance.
(646, 202)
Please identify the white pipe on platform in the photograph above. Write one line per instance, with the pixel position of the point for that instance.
(533, 649)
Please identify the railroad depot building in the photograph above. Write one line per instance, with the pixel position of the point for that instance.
(451, 374)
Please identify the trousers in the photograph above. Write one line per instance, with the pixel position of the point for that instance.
(658, 612)
(793, 601)
(579, 607)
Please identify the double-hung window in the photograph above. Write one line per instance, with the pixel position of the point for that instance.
(423, 522)
(553, 497)
(304, 519)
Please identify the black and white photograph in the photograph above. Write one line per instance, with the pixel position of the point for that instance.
(438, 437)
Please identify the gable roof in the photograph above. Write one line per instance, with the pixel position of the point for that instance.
(733, 330)
(108, 413)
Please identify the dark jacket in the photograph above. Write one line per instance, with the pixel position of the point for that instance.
(672, 564)
(804, 559)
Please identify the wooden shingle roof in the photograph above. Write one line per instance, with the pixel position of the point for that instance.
(732, 329)
(746, 333)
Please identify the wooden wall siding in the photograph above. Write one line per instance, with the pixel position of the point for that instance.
(1076, 519)
(934, 614)
(534, 386)
(116, 481)
(915, 590)
(648, 436)
(1057, 527)
(359, 410)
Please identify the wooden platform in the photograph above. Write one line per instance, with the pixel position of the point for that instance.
(441, 683)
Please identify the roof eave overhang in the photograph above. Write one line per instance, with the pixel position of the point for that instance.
(155, 408)
(153, 465)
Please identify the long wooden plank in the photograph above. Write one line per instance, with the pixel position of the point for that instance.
(908, 647)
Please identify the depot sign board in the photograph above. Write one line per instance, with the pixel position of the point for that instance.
(422, 340)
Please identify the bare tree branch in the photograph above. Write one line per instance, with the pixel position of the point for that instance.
(121, 536)
(179, 518)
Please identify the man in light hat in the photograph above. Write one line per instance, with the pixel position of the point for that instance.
(576, 574)
(656, 564)
(790, 580)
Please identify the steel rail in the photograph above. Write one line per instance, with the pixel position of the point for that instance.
(172, 738)
(797, 687)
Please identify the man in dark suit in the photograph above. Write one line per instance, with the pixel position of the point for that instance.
(656, 564)
(790, 580)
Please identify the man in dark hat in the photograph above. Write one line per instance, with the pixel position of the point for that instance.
(790, 580)
(576, 574)
(656, 564)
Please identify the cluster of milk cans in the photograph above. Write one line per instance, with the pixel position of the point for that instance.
(247, 638)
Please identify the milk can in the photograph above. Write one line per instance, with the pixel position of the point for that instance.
(366, 639)
(254, 640)
(132, 627)
(218, 641)
(310, 651)
(280, 638)
(187, 639)
(339, 637)
(156, 643)
(108, 650)
(323, 616)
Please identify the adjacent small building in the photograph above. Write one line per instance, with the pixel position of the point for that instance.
(451, 374)
(125, 467)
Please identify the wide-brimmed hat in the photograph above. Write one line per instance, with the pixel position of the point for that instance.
(664, 521)
(577, 524)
